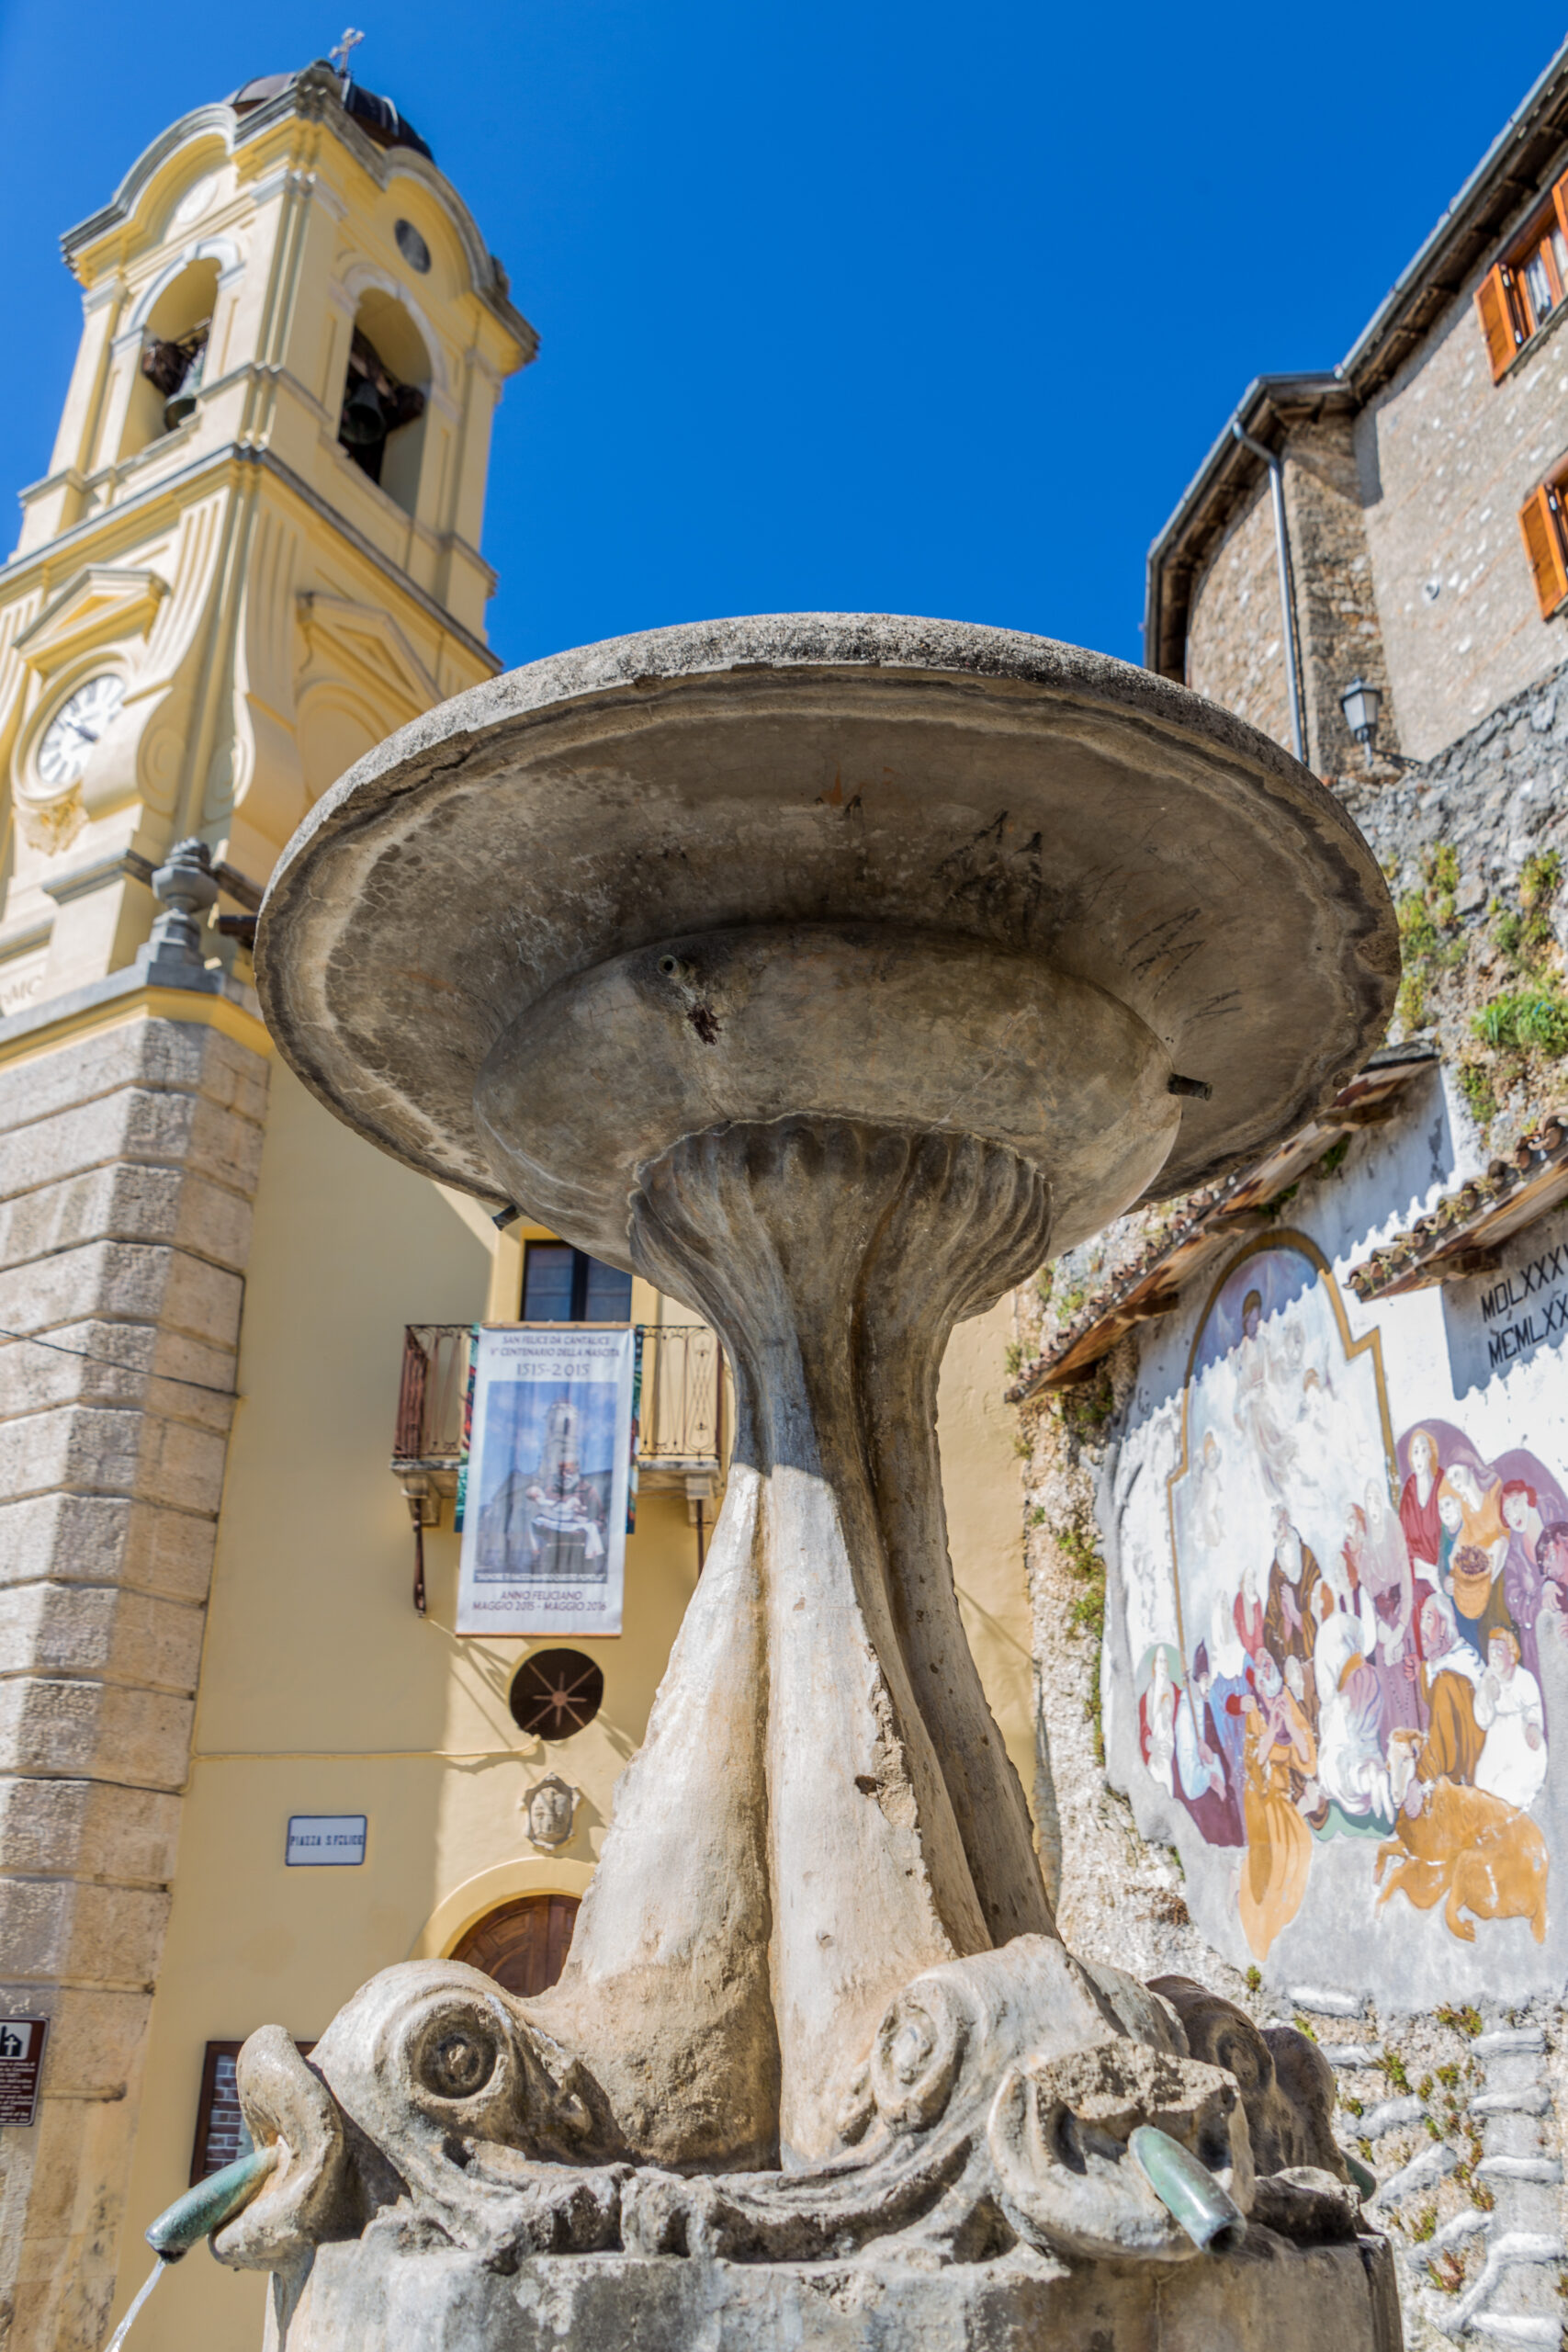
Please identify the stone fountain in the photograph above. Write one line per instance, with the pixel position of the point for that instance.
(829, 971)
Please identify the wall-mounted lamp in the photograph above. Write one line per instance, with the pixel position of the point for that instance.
(1362, 705)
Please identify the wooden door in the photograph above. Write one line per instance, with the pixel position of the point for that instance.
(522, 1944)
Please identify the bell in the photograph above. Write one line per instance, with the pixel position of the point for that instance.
(176, 411)
(364, 420)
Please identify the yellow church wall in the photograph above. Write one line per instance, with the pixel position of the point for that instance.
(323, 1691)
(273, 614)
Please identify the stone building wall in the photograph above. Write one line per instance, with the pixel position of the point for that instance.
(1235, 648)
(1336, 617)
(1447, 458)
(1459, 2107)
(128, 1164)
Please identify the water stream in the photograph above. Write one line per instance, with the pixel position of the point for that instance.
(123, 2330)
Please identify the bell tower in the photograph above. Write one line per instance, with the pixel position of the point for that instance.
(256, 548)
(255, 553)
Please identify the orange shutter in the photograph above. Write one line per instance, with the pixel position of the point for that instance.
(1494, 301)
(1541, 521)
(1560, 198)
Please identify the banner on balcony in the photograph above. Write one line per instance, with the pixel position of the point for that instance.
(550, 1457)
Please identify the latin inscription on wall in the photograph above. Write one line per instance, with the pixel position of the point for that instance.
(1521, 1311)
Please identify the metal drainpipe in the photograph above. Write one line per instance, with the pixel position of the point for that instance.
(1283, 549)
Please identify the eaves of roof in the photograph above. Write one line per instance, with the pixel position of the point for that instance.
(1223, 483)
(1212, 1220)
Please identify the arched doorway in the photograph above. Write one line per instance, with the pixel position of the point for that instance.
(522, 1944)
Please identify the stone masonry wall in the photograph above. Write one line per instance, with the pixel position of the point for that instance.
(1475, 847)
(128, 1165)
(1235, 648)
(1336, 617)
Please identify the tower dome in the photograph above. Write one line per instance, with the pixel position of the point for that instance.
(377, 116)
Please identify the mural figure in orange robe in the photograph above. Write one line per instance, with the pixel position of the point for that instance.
(1282, 1762)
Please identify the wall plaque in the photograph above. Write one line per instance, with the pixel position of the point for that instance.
(21, 2062)
(325, 1840)
(549, 1808)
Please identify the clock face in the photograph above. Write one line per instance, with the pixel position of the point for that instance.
(76, 726)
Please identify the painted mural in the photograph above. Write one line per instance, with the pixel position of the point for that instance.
(1371, 1629)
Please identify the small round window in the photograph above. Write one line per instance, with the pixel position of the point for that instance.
(411, 246)
(556, 1693)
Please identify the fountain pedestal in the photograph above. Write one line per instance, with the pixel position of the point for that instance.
(828, 972)
(1297, 2300)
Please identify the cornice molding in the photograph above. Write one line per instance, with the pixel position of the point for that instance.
(100, 602)
(202, 122)
(234, 457)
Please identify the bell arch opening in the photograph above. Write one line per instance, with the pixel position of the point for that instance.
(381, 421)
(522, 1944)
(173, 357)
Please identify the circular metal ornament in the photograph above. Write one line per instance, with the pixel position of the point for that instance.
(555, 1693)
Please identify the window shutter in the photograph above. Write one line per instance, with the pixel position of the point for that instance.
(1494, 301)
(1540, 522)
(1560, 198)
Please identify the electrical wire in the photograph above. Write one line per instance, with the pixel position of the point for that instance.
(113, 1364)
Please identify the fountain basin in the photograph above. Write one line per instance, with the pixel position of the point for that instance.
(828, 769)
(925, 1031)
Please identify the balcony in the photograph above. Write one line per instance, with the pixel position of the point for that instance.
(685, 1414)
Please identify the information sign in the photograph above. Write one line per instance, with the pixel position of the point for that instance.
(325, 1840)
(21, 2062)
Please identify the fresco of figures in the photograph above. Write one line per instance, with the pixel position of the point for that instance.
(1370, 1630)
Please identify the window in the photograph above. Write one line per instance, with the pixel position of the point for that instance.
(561, 1284)
(1515, 299)
(220, 2133)
(1545, 529)
(555, 1693)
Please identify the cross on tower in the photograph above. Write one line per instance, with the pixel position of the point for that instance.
(340, 55)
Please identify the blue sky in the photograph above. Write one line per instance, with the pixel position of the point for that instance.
(854, 306)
